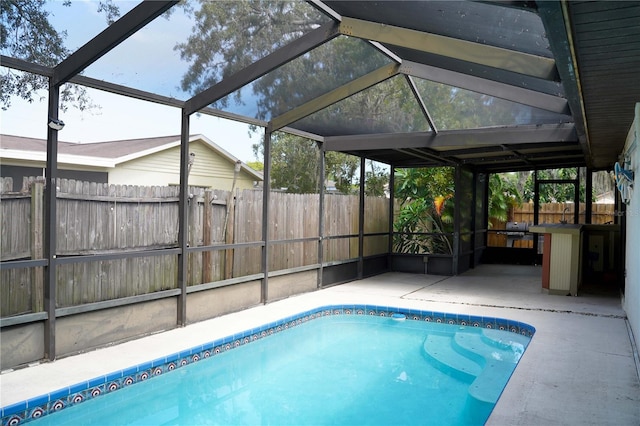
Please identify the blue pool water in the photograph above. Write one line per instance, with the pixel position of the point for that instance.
(339, 369)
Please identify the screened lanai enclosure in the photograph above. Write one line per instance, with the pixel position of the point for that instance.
(467, 88)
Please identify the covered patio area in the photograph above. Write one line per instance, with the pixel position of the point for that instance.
(578, 369)
(478, 88)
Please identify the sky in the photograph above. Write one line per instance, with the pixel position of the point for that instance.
(119, 117)
(146, 61)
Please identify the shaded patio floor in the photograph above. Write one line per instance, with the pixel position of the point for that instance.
(578, 370)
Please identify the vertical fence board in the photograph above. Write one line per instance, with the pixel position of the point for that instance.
(102, 218)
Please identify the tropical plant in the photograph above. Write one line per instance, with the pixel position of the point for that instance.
(555, 192)
(503, 196)
(425, 218)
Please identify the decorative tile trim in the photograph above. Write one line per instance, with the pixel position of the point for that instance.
(25, 411)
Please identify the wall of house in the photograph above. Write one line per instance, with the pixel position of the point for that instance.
(632, 266)
(163, 168)
(18, 172)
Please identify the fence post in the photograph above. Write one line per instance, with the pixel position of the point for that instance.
(230, 224)
(207, 240)
(37, 251)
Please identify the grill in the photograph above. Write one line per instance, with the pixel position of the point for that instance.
(516, 231)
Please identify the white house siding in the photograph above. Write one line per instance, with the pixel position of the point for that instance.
(632, 265)
(210, 169)
(163, 168)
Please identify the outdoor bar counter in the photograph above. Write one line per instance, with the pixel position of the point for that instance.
(561, 257)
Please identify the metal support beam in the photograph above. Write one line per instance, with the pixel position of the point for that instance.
(552, 14)
(266, 197)
(321, 195)
(22, 65)
(427, 154)
(588, 191)
(455, 138)
(474, 203)
(342, 92)
(457, 219)
(576, 197)
(361, 220)
(477, 53)
(263, 66)
(518, 147)
(423, 107)
(496, 89)
(525, 159)
(112, 36)
(50, 220)
(392, 196)
(183, 220)
(536, 209)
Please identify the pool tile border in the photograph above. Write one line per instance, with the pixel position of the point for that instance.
(34, 408)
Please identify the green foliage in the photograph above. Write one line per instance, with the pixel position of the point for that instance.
(295, 163)
(342, 168)
(375, 180)
(554, 192)
(230, 35)
(503, 195)
(454, 108)
(258, 166)
(419, 227)
(426, 183)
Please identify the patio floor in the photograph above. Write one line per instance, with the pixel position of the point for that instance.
(578, 369)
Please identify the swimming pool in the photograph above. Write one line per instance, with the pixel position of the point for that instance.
(351, 365)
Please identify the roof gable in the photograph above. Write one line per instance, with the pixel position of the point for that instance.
(118, 151)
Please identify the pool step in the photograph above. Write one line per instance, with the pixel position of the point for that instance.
(482, 348)
(439, 350)
(497, 338)
(485, 359)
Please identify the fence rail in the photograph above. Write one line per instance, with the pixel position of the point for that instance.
(548, 213)
(98, 219)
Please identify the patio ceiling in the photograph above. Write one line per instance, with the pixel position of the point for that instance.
(497, 86)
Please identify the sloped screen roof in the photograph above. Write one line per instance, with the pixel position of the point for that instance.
(413, 83)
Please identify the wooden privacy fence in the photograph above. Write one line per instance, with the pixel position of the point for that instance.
(94, 218)
(548, 213)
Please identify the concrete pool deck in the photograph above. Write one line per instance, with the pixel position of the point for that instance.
(578, 369)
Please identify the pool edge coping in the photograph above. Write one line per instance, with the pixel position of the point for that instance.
(25, 411)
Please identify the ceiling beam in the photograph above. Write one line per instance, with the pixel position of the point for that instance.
(423, 107)
(112, 36)
(490, 136)
(503, 148)
(553, 18)
(496, 89)
(22, 65)
(336, 95)
(263, 66)
(427, 154)
(496, 57)
(529, 158)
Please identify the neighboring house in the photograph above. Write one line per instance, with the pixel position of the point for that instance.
(149, 161)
